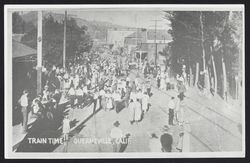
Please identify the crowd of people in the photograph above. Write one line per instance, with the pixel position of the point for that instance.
(100, 81)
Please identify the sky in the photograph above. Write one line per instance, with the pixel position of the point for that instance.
(141, 18)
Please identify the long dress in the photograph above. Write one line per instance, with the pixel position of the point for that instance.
(145, 99)
(66, 126)
(131, 108)
(133, 96)
(138, 111)
(104, 102)
(109, 101)
(163, 82)
(180, 114)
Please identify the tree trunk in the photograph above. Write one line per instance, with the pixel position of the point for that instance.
(224, 79)
(190, 76)
(202, 46)
(197, 74)
(215, 75)
(207, 79)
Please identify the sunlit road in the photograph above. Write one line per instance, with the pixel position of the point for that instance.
(100, 124)
(213, 126)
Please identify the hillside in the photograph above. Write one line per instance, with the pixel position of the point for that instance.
(96, 29)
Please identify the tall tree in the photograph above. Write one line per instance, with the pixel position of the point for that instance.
(212, 38)
(79, 41)
(17, 23)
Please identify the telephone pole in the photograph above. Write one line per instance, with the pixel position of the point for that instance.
(64, 40)
(155, 26)
(39, 51)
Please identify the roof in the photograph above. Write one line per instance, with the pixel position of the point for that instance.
(160, 35)
(21, 50)
(142, 47)
(138, 35)
(17, 37)
(150, 35)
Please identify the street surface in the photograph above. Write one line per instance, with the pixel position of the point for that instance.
(212, 125)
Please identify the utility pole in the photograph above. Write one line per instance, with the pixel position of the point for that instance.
(39, 51)
(155, 40)
(64, 40)
(137, 48)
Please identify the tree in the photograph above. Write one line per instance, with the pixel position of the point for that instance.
(78, 40)
(186, 43)
(167, 54)
(19, 26)
(17, 23)
(213, 38)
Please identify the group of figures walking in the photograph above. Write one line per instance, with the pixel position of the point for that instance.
(100, 82)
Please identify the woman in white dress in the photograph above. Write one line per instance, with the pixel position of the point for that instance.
(138, 111)
(72, 94)
(163, 82)
(131, 108)
(109, 100)
(79, 96)
(139, 95)
(103, 99)
(145, 99)
(66, 128)
(133, 96)
(167, 81)
(179, 111)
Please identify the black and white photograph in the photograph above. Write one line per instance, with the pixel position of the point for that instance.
(124, 81)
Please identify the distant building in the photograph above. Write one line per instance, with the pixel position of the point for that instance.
(135, 38)
(146, 43)
(161, 37)
(116, 37)
(99, 42)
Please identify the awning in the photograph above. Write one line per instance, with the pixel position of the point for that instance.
(21, 50)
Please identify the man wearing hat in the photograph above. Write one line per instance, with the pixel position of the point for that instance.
(166, 140)
(180, 85)
(116, 135)
(154, 143)
(116, 98)
(23, 101)
(171, 107)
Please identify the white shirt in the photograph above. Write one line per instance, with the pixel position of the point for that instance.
(155, 145)
(136, 81)
(85, 89)
(66, 126)
(66, 84)
(171, 104)
(145, 97)
(123, 84)
(102, 93)
(79, 92)
(66, 76)
(35, 108)
(133, 96)
(88, 82)
(139, 95)
(24, 101)
(116, 133)
(108, 95)
(72, 91)
(96, 94)
(116, 96)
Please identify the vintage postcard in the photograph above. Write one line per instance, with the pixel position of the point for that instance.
(124, 81)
